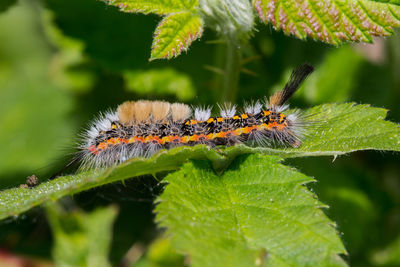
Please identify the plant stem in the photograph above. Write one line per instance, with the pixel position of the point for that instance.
(232, 71)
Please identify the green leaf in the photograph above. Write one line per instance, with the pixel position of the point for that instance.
(258, 212)
(348, 127)
(351, 205)
(389, 256)
(161, 254)
(331, 82)
(160, 7)
(332, 22)
(25, 84)
(338, 129)
(160, 82)
(178, 29)
(81, 239)
(175, 33)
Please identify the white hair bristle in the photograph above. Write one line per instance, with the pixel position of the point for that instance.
(253, 108)
(227, 110)
(202, 113)
(281, 108)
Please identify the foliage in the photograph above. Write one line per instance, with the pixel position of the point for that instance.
(388, 256)
(81, 239)
(161, 253)
(60, 66)
(178, 29)
(256, 213)
(4, 5)
(332, 22)
(24, 71)
(160, 82)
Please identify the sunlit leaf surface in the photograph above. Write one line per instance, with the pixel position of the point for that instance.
(333, 21)
(257, 213)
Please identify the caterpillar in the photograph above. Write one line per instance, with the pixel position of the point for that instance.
(141, 128)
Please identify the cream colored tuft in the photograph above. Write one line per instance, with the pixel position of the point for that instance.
(160, 110)
(180, 111)
(276, 99)
(143, 110)
(126, 113)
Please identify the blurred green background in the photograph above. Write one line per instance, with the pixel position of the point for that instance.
(61, 62)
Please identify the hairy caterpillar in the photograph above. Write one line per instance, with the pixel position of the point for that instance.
(141, 128)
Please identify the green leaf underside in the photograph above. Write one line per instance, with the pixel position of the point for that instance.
(258, 213)
(160, 7)
(338, 129)
(81, 239)
(175, 33)
(333, 21)
(180, 26)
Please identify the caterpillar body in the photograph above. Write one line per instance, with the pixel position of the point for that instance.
(141, 128)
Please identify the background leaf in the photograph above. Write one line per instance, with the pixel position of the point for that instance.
(175, 33)
(5, 4)
(350, 192)
(177, 30)
(160, 7)
(331, 83)
(160, 254)
(81, 239)
(258, 212)
(332, 22)
(160, 82)
(389, 256)
(36, 132)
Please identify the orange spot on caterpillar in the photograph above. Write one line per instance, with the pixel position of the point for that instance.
(152, 138)
(249, 129)
(102, 145)
(113, 141)
(193, 138)
(238, 131)
(220, 135)
(276, 125)
(211, 136)
(185, 139)
(226, 134)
